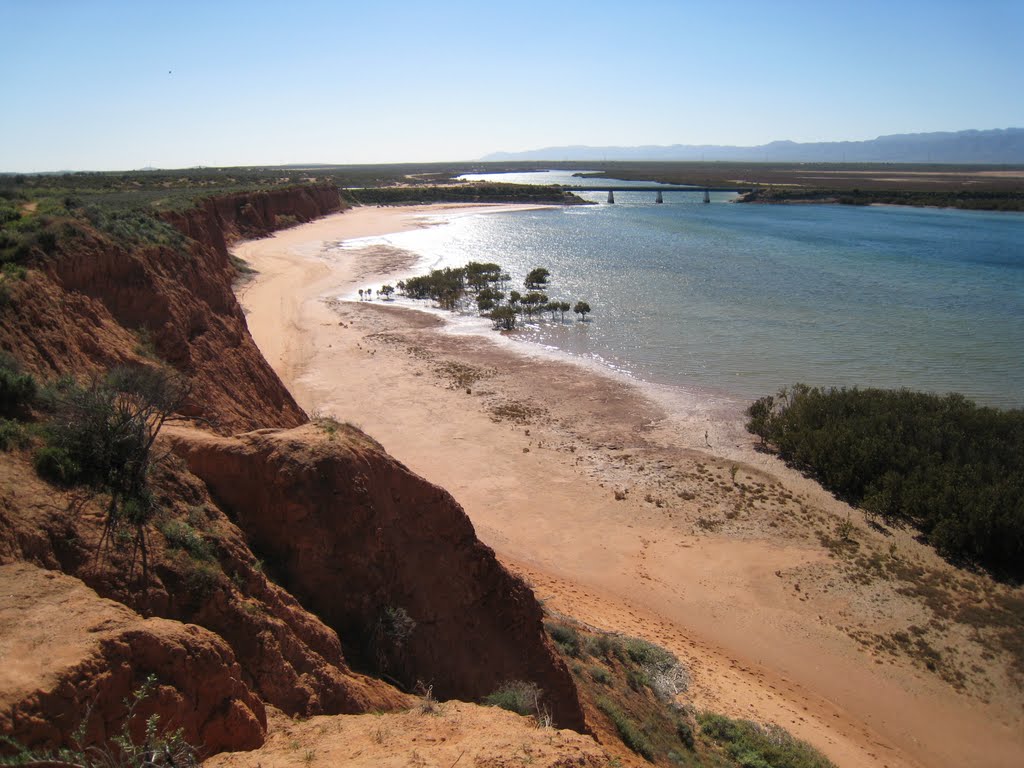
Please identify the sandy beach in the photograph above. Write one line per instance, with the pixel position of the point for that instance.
(642, 511)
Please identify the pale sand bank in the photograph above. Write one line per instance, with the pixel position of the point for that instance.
(729, 575)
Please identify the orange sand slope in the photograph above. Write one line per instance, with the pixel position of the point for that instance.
(607, 499)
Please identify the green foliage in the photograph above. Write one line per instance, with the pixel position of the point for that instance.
(987, 200)
(101, 436)
(952, 469)
(445, 286)
(107, 428)
(133, 226)
(56, 464)
(9, 212)
(181, 535)
(566, 638)
(158, 748)
(517, 696)
(603, 645)
(484, 283)
(630, 734)
(242, 267)
(12, 434)
(755, 746)
(536, 279)
(201, 579)
(17, 390)
(582, 309)
(504, 318)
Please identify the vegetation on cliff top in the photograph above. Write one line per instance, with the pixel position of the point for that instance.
(942, 464)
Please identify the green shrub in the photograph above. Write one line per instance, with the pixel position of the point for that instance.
(201, 578)
(750, 744)
(631, 736)
(599, 674)
(101, 437)
(181, 535)
(604, 645)
(637, 679)
(517, 696)
(941, 463)
(12, 434)
(647, 654)
(17, 390)
(684, 732)
(55, 463)
(566, 638)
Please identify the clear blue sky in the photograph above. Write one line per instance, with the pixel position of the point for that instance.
(101, 85)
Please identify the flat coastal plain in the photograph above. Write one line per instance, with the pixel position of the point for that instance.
(652, 513)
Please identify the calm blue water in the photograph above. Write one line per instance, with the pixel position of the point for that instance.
(745, 299)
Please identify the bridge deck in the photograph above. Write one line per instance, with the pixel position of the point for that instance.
(650, 188)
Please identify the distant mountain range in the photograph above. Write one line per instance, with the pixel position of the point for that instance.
(999, 146)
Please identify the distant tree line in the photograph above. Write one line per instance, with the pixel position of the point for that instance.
(942, 464)
(978, 199)
(480, 192)
(487, 286)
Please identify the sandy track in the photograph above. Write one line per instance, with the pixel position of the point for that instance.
(609, 501)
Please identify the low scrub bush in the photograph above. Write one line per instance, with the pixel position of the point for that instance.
(12, 435)
(566, 638)
(17, 389)
(750, 744)
(181, 535)
(630, 734)
(950, 468)
(517, 696)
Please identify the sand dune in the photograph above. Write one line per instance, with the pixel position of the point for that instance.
(607, 497)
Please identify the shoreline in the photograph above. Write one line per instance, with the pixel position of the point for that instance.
(590, 486)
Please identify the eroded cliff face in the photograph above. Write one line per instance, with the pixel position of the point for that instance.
(288, 656)
(357, 537)
(218, 221)
(95, 303)
(71, 659)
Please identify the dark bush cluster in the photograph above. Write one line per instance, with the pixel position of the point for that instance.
(750, 744)
(487, 285)
(519, 696)
(951, 468)
(17, 389)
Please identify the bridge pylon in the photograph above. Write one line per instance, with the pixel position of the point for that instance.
(658, 198)
(611, 196)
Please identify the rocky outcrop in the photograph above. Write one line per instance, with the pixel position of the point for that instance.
(289, 657)
(364, 543)
(69, 655)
